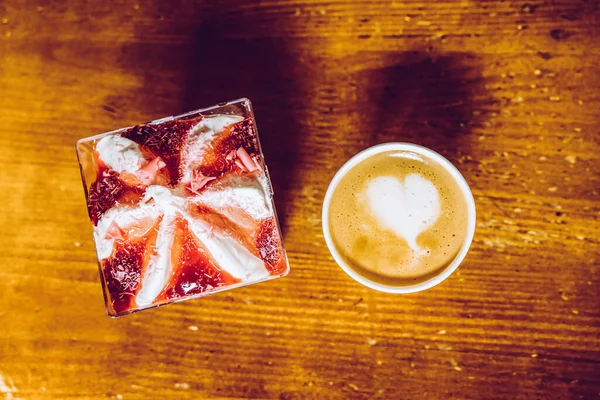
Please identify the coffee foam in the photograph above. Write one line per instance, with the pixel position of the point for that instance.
(406, 208)
(397, 216)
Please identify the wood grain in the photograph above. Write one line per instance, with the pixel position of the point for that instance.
(509, 91)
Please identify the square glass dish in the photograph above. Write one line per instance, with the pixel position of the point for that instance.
(181, 208)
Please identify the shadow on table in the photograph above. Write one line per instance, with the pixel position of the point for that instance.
(425, 98)
(264, 71)
(206, 57)
(224, 57)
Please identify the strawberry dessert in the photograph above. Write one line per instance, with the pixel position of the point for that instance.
(181, 208)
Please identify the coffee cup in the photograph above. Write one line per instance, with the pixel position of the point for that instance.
(398, 218)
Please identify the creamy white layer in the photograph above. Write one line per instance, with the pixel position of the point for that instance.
(120, 154)
(236, 192)
(200, 138)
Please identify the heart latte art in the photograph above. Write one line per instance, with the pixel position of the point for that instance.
(397, 217)
(406, 209)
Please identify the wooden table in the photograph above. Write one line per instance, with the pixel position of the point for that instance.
(509, 91)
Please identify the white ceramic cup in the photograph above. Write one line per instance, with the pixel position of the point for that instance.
(441, 161)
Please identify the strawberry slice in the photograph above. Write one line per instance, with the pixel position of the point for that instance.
(260, 237)
(164, 140)
(236, 140)
(268, 244)
(194, 271)
(241, 228)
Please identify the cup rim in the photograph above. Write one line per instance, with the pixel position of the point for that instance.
(436, 157)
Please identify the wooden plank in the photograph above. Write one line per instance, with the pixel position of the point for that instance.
(509, 91)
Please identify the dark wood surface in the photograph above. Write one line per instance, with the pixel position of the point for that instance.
(509, 91)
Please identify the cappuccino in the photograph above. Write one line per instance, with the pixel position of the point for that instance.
(399, 217)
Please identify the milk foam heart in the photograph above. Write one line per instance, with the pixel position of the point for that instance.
(406, 208)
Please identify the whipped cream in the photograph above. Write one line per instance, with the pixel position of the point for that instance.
(120, 154)
(230, 255)
(160, 266)
(125, 218)
(215, 123)
(239, 192)
(200, 136)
